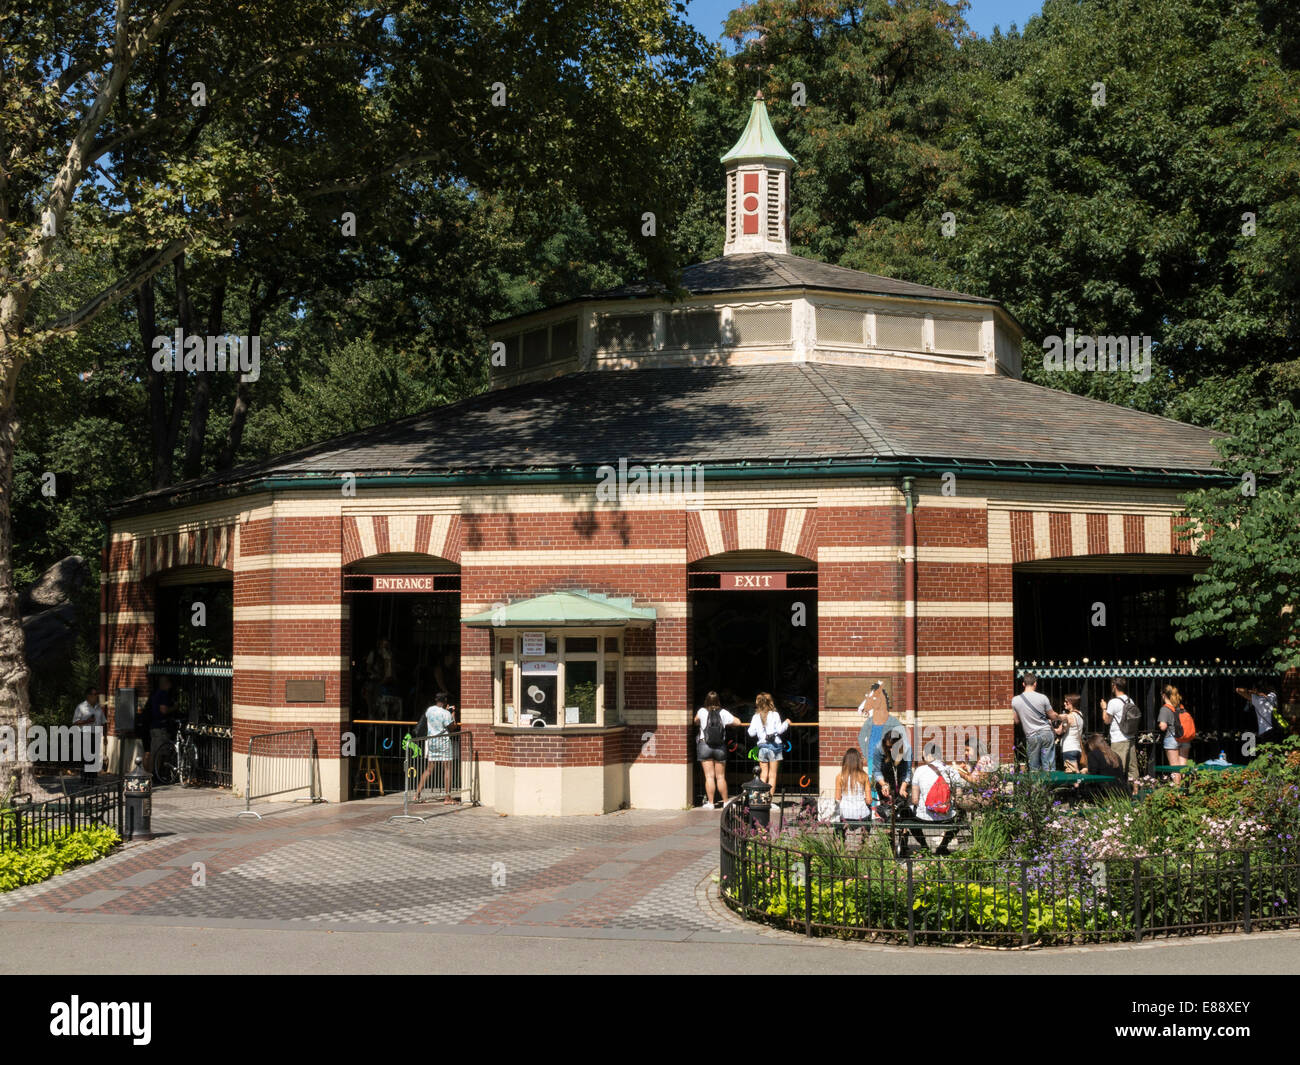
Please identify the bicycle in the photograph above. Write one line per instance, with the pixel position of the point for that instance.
(176, 759)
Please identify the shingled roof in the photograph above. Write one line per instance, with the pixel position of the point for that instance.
(765, 270)
(769, 413)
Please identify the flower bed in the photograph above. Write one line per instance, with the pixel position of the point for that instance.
(1217, 852)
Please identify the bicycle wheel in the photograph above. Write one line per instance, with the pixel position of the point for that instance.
(165, 765)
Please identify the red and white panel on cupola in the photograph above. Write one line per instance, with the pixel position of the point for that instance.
(749, 203)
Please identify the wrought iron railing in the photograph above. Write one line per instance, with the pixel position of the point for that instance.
(803, 886)
(31, 824)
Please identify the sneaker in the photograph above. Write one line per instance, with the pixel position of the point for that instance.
(705, 806)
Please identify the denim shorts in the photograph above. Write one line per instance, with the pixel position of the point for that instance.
(705, 753)
(770, 752)
(1171, 742)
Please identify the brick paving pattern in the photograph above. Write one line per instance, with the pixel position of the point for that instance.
(635, 872)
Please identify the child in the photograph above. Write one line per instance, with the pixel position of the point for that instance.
(767, 728)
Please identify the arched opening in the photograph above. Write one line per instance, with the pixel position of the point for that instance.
(403, 640)
(753, 628)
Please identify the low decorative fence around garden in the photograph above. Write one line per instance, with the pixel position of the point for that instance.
(32, 824)
(813, 883)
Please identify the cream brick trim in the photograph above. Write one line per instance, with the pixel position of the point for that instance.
(1042, 535)
(476, 664)
(793, 529)
(128, 617)
(896, 608)
(118, 658)
(314, 712)
(291, 663)
(282, 561)
(1079, 533)
(860, 553)
(654, 663)
(712, 526)
(366, 533)
(952, 554)
(956, 502)
(1000, 538)
(278, 611)
(965, 663)
(1158, 536)
(1115, 534)
(751, 529)
(636, 556)
(859, 663)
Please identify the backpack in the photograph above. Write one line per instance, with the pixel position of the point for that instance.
(715, 732)
(1186, 727)
(1130, 718)
(938, 800)
(421, 728)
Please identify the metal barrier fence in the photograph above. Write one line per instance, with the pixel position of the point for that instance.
(443, 767)
(278, 763)
(204, 711)
(814, 888)
(33, 824)
(377, 761)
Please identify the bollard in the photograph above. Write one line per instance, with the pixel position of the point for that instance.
(137, 790)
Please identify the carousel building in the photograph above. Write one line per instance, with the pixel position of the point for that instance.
(799, 478)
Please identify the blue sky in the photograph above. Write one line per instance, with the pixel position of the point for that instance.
(982, 15)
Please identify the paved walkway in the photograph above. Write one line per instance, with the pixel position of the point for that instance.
(632, 874)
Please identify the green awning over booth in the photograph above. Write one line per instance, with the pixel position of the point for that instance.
(564, 608)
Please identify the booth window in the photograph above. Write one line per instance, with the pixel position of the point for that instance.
(563, 679)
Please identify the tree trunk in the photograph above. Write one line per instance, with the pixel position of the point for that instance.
(17, 775)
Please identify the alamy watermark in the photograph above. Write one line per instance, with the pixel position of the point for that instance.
(195, 354)
(82, 744)
(616, 484)
(1105, 353)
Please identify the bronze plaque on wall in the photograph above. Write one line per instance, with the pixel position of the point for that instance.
(304, 691)
(845, 693)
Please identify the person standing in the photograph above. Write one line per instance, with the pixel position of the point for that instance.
(1124, 718)
(767, 728)
(441, 720)
(1264, 703)
(1169, 722)
(90, 716)
(1037, 718)
(157, 718)
(711, 747)
(1072, 744)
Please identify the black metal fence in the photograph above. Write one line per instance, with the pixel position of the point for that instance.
(812, 887)
(31, 824)
(204, 711)
(1207, 687)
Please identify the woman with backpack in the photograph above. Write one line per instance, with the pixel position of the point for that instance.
(767, 727)
(711, 747)
(1172, 722)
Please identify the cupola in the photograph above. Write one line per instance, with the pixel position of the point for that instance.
(758, 188)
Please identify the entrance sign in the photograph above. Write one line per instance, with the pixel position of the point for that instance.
(404, 583)
(759, 582)
(534, 643)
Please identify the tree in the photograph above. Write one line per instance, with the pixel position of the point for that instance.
(1250, 532)
(168, 139)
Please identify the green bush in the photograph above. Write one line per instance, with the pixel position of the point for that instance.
(31, 865)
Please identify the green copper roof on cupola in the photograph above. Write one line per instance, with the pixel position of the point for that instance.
(759, 141)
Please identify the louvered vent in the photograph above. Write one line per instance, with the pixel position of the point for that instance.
(774, 205)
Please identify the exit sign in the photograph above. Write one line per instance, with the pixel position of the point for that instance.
(753, 582)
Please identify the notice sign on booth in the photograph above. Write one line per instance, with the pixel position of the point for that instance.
(755, 582)
(534, 643)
